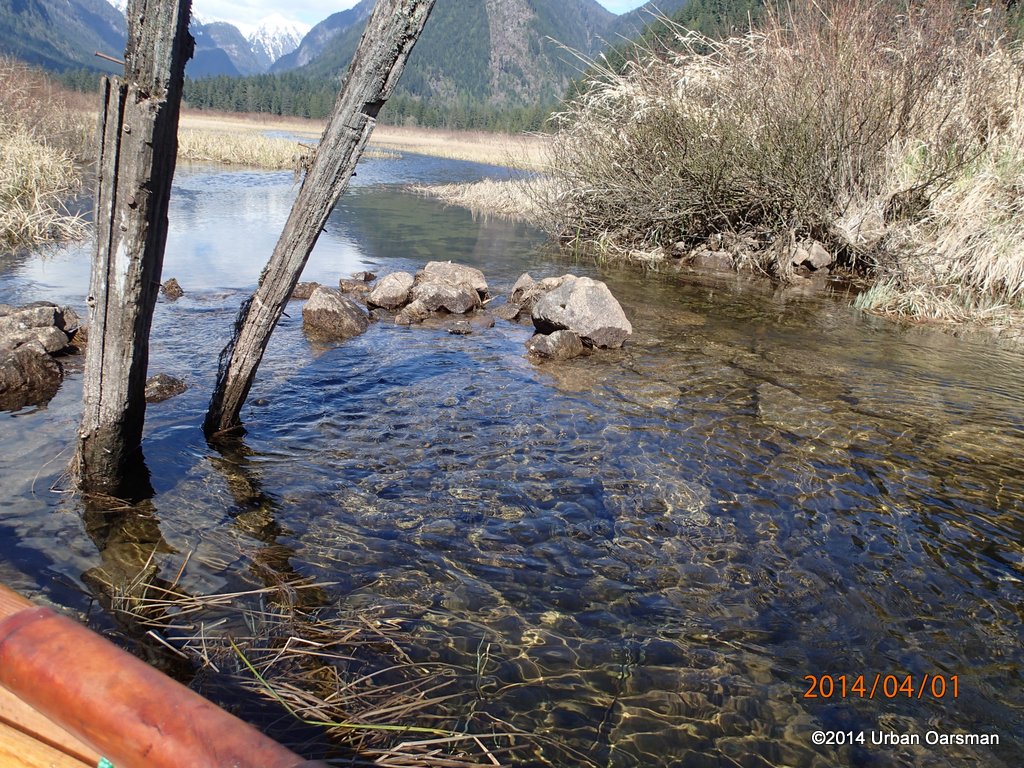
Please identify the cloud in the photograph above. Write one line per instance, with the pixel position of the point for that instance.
(621, 6)
(249, 14)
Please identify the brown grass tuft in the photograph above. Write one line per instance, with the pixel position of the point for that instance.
(41, 142)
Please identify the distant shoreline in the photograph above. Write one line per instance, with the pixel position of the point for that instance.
(522, 151)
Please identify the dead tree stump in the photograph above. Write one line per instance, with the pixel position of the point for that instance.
(380, 58)
(138, 138)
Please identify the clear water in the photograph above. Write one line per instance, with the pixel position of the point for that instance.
(655, 545)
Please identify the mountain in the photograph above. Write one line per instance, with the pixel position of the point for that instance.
(274, 37)
(320, 36)
(221, 49)
(62, 34)
(498, 52)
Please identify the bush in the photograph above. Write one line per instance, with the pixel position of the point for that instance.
(829, 114)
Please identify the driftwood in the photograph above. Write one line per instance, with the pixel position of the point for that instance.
(380, 58)
(138, 150)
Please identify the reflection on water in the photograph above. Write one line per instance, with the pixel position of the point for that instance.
(642, 552)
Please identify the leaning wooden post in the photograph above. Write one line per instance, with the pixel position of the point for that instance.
(380, 58)
(138, 136)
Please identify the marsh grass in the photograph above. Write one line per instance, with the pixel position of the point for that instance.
(246, 149)
(514, 199)
(42, 141)
(347, 675)
(524, 151)
(827, 112)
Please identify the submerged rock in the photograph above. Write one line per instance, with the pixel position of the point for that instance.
(163, 387)
(392, 291)
(172, 289)
(715, 261)
(364, 277)
(587, 308)
(508, 311)
(560, 345)
(329, 315)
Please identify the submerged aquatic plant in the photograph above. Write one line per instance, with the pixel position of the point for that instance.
(347, 675)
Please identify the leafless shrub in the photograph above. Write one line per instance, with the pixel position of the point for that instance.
(828, 110)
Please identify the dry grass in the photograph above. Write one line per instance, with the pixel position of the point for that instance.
(515, 199)
(524, 151)
(245, 149)
(832, 109)
(246, 124)
(242, 140)
(348, 676)
(41, 142)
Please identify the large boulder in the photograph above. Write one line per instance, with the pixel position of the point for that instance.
(28, 376)
(442, 286)
(436, 295)
(329, 315)
(392, 291)
(585, 307)
(454, 274)
(21, 319)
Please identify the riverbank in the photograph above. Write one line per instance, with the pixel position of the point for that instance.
(831, 140)
(259, 139)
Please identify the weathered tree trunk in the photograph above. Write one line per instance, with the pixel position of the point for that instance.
(138, 135)
(380, 58)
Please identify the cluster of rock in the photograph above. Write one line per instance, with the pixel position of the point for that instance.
(572, 315)
(38, 343)
(807, 259)
(33, 338)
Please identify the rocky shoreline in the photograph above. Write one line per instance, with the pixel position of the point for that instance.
(572, 316)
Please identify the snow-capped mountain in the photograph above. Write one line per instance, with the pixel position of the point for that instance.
(275, 36)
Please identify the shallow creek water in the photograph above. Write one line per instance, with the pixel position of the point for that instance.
(648, 550)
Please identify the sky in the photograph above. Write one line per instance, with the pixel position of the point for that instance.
(249, 12)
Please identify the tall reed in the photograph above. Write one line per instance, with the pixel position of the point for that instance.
(41, 142)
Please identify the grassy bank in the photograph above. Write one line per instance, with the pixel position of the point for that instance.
(42, 138)
(242, 140)
(891, 136)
